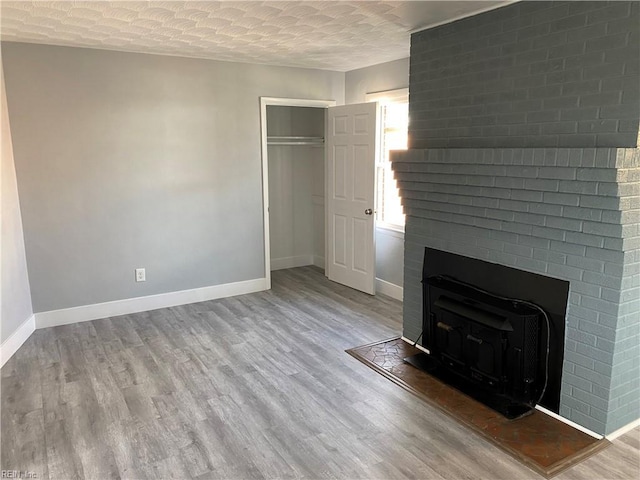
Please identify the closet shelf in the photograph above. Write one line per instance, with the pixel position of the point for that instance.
(282, 140)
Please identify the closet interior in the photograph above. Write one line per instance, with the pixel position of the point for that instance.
(296, 155)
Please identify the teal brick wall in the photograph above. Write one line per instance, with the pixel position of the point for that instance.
(532, 74)
(523, 142)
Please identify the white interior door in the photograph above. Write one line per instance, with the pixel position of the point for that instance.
(351, 159)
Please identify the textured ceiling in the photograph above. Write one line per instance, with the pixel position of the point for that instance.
(340, 35)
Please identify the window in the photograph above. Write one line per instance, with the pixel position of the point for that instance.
(394, 122)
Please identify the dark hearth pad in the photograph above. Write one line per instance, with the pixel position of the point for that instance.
(544, 444)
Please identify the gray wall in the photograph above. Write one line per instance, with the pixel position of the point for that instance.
(15, 298)
(533, 74)
(128, 160)
(389, 255)
(537, 74)
(377, 78)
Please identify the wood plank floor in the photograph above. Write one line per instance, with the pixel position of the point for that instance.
(256, 386)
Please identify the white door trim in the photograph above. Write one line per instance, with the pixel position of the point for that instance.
(264, 102)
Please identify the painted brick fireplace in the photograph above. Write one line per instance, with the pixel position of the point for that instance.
(523, 151)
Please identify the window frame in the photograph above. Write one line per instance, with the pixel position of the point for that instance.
(399, 95)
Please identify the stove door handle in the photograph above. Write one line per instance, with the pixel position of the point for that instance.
(444, 326)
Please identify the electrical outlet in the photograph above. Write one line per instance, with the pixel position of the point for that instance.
(141, 276)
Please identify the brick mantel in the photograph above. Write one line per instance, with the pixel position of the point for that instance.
(523, 132)
(566, 213)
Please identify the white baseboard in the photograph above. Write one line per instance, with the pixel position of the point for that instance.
(142, 304)
(17, 338)
(569, 422)
(291, 262)
(411, 342)
(621, 431)
(389, 289)
(318, 261)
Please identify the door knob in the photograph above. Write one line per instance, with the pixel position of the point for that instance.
(368, 211)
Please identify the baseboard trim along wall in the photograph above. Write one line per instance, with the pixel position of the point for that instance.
(569, 422)
(291, 262)
(621, 431)
(411, 342)
(142, 304)
(17, 338)
(389, 289)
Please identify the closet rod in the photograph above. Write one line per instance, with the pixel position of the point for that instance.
(290, 140)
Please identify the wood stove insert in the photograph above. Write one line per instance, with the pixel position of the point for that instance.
(493, 346)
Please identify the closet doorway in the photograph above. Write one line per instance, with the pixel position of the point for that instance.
(293, 169)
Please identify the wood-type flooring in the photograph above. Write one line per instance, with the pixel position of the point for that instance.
(255, 386)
